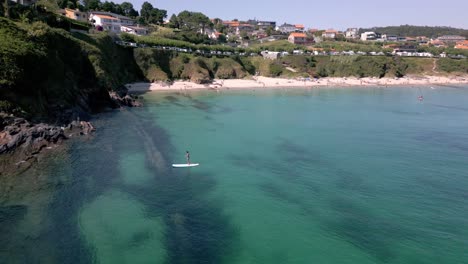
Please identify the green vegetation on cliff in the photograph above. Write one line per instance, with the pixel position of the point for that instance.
(159, 65)
(45, 70)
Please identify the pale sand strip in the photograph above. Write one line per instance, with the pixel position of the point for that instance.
(265, 82)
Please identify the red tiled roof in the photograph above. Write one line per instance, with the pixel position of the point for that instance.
(298, 35)
(462, 45)
(106, 17)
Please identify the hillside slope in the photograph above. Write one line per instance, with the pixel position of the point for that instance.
(50, 74)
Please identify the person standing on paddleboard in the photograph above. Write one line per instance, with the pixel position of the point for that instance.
(187, 156)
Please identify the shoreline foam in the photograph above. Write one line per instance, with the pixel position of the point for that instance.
(268, 83)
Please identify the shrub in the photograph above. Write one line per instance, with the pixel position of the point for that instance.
(452, 65)
(275, 70)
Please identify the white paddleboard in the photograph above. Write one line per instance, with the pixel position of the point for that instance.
(185, 165)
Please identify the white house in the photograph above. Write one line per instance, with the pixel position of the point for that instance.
(135, 30)
(368, 36)
(329, 33)
(107, 23)
(110, 21)
(286, 28)
(351, 33)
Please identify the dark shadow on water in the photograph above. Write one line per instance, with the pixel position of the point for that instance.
(140, 238)
(202, 105)
(197, 230)
(295, 153)
(9, 218)
(277, 192)
(451, 140)
(406, 113)
(459, 108)
(171, 98)
(347, 180)
(458, 87)
(96, 167)
(364, 230)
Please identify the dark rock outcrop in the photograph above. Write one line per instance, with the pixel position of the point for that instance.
(18, 132)
(125, 100)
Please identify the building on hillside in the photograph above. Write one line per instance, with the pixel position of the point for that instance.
(390, 38)
(401, 39)
(405, 48)
(107, 23)
(462, 45)
(313, 30)
(266, 24)
(451, 38)
(262, 25)
(367, 36)
(122, 19)
(244, 28)
(231, 24)
(329, 34)
(216, 35)
(286, 28)
(135, 30)
(438, 44)
(391, 46)
(422, 40)
(76, 14)
(125, 21)
(259, 34)
(299, 27)
(352, 33)
(298, 38)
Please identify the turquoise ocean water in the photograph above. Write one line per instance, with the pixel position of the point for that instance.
(355, 175)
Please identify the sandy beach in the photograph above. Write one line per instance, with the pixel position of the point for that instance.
(266, 82)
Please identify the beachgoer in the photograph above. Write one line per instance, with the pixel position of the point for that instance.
(420, 98)
(187, 156)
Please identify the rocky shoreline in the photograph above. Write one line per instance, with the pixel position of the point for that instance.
(21, 141)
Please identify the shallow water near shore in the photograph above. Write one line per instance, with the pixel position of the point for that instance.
(355, 175)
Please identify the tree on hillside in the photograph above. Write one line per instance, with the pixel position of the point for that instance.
(48, 5)
(109, 7)
(194, 21)
(128, 10)
(70, 5)
(91, 4)
(157, 16)
(219, 26)
(173, 22)
(145, 11)
(151, 14)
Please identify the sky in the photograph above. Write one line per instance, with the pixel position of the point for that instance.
(327, 14)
